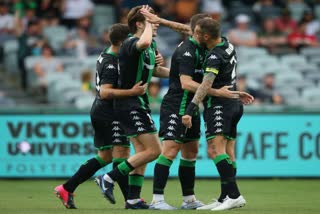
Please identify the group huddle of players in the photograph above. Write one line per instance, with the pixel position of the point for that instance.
(203, 70)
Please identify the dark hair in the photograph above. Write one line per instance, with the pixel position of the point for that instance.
(134, 16)
(211, 27)
(117, 33)
(195, 18)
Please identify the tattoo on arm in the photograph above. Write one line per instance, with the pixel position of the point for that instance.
(181, 28)
(203, 88)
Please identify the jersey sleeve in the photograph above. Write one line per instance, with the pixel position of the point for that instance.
(186, 59)
(213, 63)
(109, 73)
(131, 46)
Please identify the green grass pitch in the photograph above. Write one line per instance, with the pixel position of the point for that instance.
(263, 196)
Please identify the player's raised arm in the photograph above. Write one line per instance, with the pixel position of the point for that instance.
(145, 39)
(176, 26)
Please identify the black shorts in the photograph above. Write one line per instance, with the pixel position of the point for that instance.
(222, 119)
(171, 127)
(108, 134)
(135, 122)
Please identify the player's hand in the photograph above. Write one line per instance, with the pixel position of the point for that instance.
(187, 121)
(159, 59)
(150, 17)
(246, 98)
(139, 89)
(225, 92)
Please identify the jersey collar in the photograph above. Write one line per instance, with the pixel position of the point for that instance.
(107, 50)
(194, 41)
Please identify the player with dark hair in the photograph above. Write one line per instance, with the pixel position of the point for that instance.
(221, 115)
(185, 77)
(137, 63)
(107, 132)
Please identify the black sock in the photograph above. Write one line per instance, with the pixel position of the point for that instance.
(135, 185)
(86, 171)
(187, 176)
(161, 174)
(123, 181)
(234, 165)
(228, 183)
(121, 171)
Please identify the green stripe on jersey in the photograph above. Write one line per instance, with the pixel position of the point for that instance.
(183, 104)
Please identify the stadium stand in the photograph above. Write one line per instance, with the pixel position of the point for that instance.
(296, 72)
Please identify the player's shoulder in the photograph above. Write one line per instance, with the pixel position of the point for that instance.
(128, 41)
(225, 47)
(186, 49)
(107, 58)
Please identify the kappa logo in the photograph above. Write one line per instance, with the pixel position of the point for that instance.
(133, 112)
(140, 129)
(170, 134)
(218, 130)
(117, 140)
(217, 112)
(116, 128)
(218, 118)
(218, 107)
(136, 118)
(212, 56)
(173, 122)
(173, 116)
(116, 134)
(187, 53)
(110, 66)
(171, 128)
(115, 122)
(218, 124)
(138, 123)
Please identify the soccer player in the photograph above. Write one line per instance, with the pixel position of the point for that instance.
(107, 132)
(137, 63)
(221, 114)
(185, 76)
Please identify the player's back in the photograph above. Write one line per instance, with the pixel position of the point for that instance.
(106, 73)
(224, 59)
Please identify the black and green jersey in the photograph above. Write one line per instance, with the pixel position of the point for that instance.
(188, 60)
(135, 65)
(106, 73)
(221, 60)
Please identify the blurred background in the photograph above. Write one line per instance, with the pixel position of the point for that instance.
(48, 52)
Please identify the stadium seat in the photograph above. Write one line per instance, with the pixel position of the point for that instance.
(310, 52)
(103, 18)
(84, 102)
(56, 36)
(10, 56)
(311, 94)
(249, 53)
(293, 60)
(29, 64)
(267, 60)
(317, 10)
(69, 97)
(315, 60)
